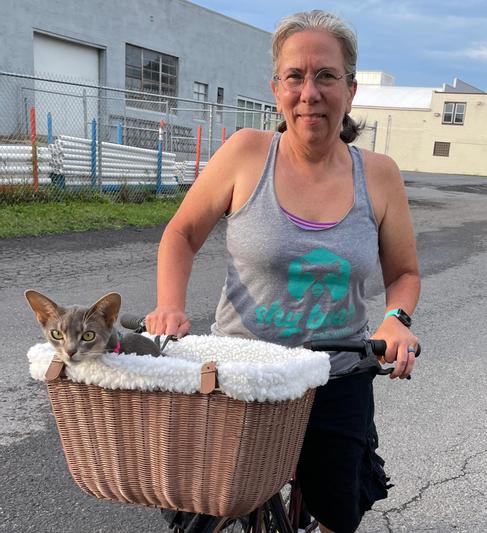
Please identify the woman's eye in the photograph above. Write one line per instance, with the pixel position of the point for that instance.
(56, 334)
(88, 335)
(325, 75)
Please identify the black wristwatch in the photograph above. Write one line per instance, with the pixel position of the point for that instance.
(401, 315)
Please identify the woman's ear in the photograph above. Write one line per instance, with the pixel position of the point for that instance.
(275, 91)
(352, 91)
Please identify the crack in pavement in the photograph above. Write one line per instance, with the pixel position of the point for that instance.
(430, 484)
(387, 520)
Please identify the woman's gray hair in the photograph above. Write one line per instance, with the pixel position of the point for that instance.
(316, 20)
(321, 20)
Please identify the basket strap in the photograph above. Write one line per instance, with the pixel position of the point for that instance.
(209, 379)
(55, 369)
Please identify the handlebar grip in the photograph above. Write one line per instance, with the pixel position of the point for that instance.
(133, 322)
(334, 346)
(379, 347)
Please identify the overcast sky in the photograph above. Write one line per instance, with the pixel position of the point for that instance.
(422, 43)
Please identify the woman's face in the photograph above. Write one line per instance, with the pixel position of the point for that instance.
(314, 113)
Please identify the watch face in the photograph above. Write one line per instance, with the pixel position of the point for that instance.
(404, 317)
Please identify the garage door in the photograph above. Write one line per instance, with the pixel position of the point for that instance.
(72, 108)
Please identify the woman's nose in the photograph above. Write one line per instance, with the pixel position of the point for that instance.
(309, 90)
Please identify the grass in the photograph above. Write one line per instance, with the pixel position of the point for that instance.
(29, 218)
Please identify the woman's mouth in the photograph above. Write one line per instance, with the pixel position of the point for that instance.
(311, 117)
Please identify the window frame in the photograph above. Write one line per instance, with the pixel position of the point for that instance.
(220, 97)
(252, 110)
(201, 115)
(451, 110)
(162, 79)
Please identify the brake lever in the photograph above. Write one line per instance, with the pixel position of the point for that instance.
(166, 341)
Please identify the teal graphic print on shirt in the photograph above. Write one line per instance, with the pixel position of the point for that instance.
(302, 277)
(306, 281)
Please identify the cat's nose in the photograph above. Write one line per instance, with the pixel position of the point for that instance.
(70, 353)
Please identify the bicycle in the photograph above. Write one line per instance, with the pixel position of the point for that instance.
(284, 512)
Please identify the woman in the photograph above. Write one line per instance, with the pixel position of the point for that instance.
(307, 218)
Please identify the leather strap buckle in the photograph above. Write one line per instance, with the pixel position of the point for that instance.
(209, 379)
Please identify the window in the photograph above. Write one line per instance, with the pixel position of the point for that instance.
(255, 114)
(441, 149)
(454, 113)
(219, 100)
(200, 93)
(150, 72)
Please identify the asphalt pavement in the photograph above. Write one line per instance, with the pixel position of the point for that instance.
(432, 429)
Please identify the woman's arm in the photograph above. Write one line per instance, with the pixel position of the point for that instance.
(398, 258)
(211, 195)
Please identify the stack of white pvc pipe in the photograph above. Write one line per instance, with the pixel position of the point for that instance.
(72, 157)
(187, 172)
(16, 164)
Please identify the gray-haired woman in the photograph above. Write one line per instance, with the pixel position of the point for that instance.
(307, 217)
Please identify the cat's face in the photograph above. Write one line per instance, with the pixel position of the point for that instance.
(76, 332)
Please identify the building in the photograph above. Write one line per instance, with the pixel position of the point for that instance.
(425, 129)
(173, 51)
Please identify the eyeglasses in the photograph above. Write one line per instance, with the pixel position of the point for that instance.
(323, 79)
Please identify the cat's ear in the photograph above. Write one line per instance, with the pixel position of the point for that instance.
(43, 307)
(108, 307)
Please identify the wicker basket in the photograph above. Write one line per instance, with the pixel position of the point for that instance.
(204, 453)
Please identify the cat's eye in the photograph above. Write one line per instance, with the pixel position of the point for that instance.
(88, 336)
(56, 334)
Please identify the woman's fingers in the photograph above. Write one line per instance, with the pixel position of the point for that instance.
(405, 359)
(167, 322)
(177, 324)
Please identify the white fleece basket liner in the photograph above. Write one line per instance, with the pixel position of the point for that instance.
(247, 369)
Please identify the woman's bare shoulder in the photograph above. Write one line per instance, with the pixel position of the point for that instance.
(379, 167)
(248, 139)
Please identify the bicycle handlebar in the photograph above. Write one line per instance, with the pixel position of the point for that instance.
(133, 322)
(378, 347)
(369, 349)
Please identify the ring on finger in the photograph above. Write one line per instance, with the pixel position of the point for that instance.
(411, 349)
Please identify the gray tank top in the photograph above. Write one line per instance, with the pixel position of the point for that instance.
(287, 285)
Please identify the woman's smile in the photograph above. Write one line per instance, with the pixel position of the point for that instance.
(311, 118)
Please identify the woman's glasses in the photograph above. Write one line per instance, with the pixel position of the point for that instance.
(323, 79)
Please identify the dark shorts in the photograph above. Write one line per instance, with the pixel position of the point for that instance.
(340, 474)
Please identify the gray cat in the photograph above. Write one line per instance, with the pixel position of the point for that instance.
(79, 332)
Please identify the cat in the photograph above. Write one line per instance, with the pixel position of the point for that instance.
(78, 332)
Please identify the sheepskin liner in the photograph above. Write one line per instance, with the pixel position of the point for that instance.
(247, 369)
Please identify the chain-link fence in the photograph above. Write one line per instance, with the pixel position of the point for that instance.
(73, 136)
(367, 137)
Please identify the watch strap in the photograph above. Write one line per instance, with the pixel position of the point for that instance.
(401, 315)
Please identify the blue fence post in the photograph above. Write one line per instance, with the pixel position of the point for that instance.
(49, 128)
(119, 133)
(93, 153)
(159, 160)
(56, 179)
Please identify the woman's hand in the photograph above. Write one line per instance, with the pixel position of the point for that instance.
(400, 341)
(167, 321)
